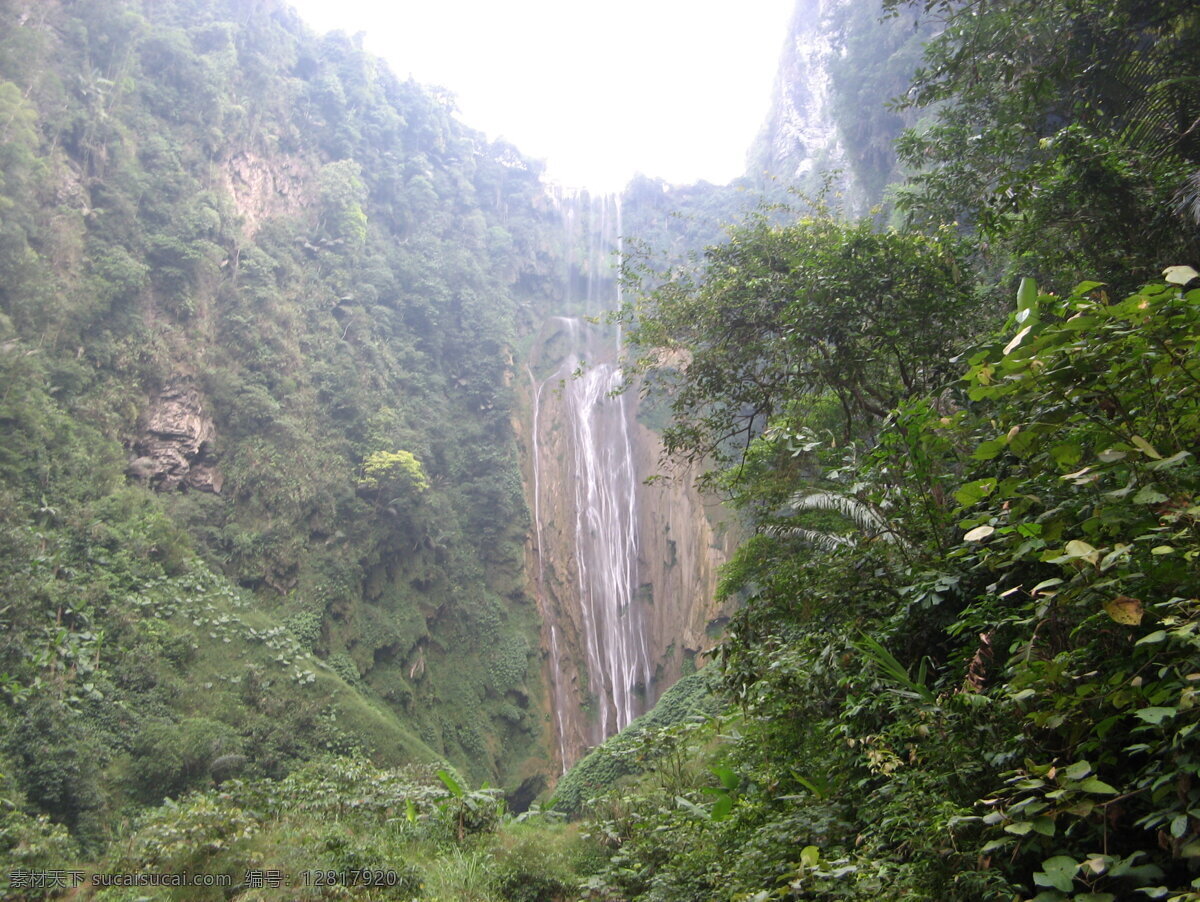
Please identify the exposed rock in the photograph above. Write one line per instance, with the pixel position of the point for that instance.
(801, 131)
(685, 538)
(263, 186)
(175, 447)
(141, 468)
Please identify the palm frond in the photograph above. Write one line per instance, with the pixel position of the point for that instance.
(1187, 198)
(863, 515)
(826, 541)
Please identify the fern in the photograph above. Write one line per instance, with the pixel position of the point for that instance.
(864, 516)
(826, 541)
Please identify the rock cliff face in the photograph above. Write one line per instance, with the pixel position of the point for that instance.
(801, 134)
(175, 444)
(686, 537)
(623, 573)
(263, 186)
(842, 67)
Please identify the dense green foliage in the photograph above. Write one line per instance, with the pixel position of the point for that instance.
(964, 653)
(259, 491)
(781, 316)
(1064, 131)
(342, 828)
(987, 689)
(634, 749)
(964, 662)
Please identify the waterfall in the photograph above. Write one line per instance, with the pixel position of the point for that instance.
(602, 483)
(606, 543)
(559, 706)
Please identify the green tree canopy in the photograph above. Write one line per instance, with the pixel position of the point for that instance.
(818, 309)
(1066, 131)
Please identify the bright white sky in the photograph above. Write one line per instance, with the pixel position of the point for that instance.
(602, 89)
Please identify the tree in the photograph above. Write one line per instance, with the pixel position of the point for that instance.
(396, 470)
(342, 193)
(785, 318)
(1067, 132)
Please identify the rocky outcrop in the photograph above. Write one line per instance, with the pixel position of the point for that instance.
(174, 447)
(263, 186)
(801, 133)
(685, 537)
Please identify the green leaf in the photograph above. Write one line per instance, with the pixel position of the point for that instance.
(725, 774)
(818, 787)
(1044, 826)
(1077, 549)
(1066, 454)
(1153, 638)
(1016, 340)
(1145, 447)
(1126, 868)
(1149, 495)
(1155, 715)
(886, 661)
(451, 784)
(990, 449)
(1058, 872)
(721, 807)
(1027, 295)
(975, 491)
(1168, 463)
(1078, 770)
(1097, 786)
(1179, 825)
(810, 856)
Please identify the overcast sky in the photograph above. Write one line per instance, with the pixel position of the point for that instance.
(600, 90)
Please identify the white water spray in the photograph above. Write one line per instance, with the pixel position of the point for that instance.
(604, 481)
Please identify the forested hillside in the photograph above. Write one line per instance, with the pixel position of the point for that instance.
(259, 492)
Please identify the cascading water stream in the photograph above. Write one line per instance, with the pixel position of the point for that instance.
(604, 483)
(606, 543)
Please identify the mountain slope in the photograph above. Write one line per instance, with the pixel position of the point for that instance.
(260, 490)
